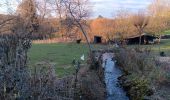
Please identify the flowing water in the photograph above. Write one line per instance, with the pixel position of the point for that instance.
(114, 91)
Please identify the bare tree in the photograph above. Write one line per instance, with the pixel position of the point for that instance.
(26, 9)
(7, 18)
(159, 8)
(140, 22)
(28, 12)
(75, 12)
(103, 27)
(123, 24)
(160, 11)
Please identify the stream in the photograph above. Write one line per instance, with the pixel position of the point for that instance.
(111, 74)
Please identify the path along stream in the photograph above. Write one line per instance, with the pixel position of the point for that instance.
(114, 91)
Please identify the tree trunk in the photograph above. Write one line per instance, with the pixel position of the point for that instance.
(85, 35)
(81, 28)
(159, 43)
(140, 39)
(159, 39)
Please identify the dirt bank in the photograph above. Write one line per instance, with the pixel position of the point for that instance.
(91, 85)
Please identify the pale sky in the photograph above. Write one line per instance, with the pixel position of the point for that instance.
(106, 8)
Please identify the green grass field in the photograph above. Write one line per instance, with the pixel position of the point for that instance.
(164, 46)
(62, 54)
(167, 32)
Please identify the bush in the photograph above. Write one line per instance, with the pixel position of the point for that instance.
(16, 79)
(139, 89)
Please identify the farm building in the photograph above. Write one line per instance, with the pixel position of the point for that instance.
(145, 39)
(97, 39)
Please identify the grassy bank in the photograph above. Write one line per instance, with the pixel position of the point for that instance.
(144, 73)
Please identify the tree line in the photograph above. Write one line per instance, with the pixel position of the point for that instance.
(70, 18)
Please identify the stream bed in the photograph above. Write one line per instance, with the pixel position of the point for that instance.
(111, 74)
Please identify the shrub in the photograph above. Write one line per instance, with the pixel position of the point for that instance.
(141, 72)
(139, 89)
(16, 79)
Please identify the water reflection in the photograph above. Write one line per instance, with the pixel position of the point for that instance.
(114, 91)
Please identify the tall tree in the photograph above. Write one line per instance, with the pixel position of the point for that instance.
(124, 26)
(36, 12)
(27, 9)
(103, 27)
(75, 12)
(160, 17)
(140, 22)
(159, 8)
